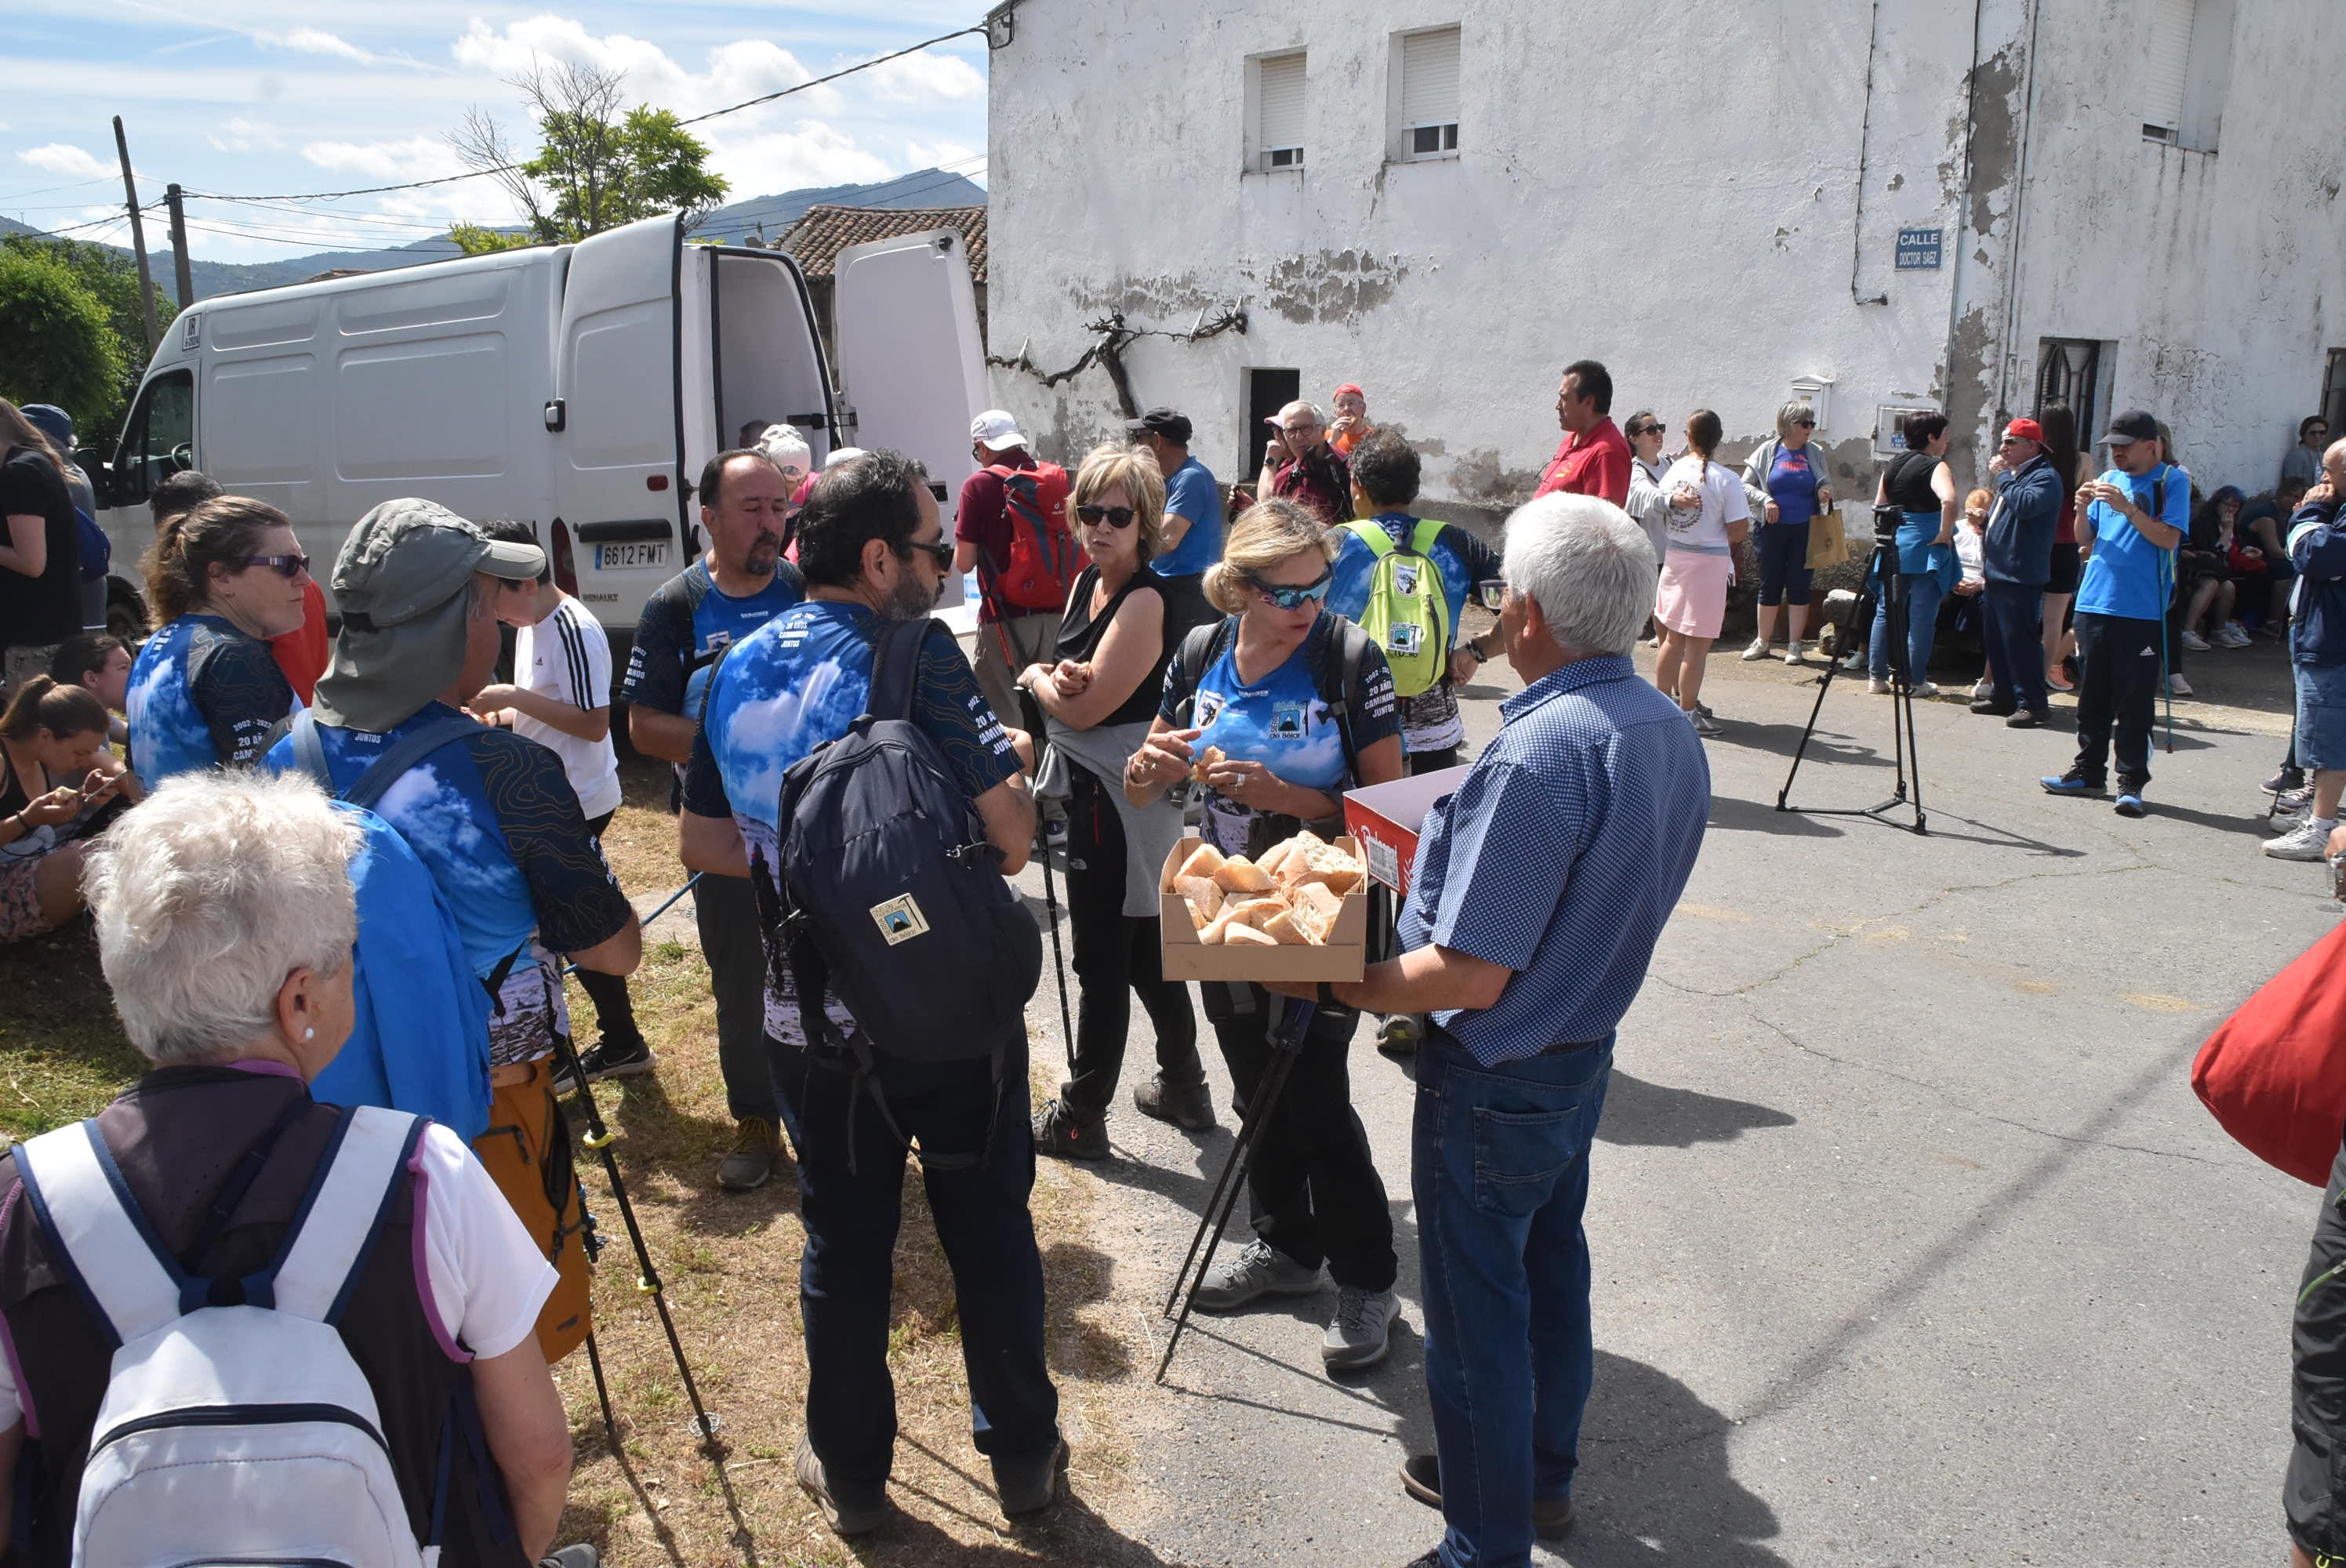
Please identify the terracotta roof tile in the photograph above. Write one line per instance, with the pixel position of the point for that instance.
(816, 240)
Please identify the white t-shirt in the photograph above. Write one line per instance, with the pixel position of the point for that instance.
(565, 657)
(1703, 529)
(489, 1280)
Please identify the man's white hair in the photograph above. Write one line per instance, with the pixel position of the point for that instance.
(1301, 406)
(786, 446)
(206, 896)
(1590, 566)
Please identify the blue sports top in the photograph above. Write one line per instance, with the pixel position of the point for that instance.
(221, 717)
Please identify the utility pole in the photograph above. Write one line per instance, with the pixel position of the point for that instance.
(180, 264)
(138, 235)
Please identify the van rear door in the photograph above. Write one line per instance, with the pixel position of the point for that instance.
(618, 467)
(911, 368)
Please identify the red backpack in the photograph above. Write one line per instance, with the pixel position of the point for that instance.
(1044, 558)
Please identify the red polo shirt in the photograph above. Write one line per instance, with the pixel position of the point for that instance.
(1594, 463)
(304, 652)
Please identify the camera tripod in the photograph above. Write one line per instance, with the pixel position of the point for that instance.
(1880, 573)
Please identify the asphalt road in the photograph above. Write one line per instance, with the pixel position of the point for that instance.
(1911, 1242)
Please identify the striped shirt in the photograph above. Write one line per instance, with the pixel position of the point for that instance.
(567, 657)
(1591, 805)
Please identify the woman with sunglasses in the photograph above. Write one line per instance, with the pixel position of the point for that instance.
(1098, 700)
(1798, 481)
(205, 691)
(1299, 705)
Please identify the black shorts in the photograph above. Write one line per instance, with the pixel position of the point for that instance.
(2062, 577)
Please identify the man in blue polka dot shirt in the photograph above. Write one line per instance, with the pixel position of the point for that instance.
(1539, 889)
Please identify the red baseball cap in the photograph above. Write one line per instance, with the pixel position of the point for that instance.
(2026, 430)
(1352, 387)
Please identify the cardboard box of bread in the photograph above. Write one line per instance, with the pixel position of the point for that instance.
(1299, 913)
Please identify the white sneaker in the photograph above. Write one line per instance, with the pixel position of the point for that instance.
(2178, 687)
(1924, 689)
(1877, 686)
(2233, 636)
(2194, 641)
(1796, 652)
(1757, 651)
(2303, 842)
(1983, 688)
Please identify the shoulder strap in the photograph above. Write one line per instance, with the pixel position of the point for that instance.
(1339, 679)
(308, 752)
(1379, 542)
(1201, 647)
(895, 669)
(101, 1240)
(326, 1245)
(1426, 535)
(403, 754)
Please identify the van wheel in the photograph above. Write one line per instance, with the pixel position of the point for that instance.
(126, 618)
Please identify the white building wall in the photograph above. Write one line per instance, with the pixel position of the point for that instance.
(1674, 190)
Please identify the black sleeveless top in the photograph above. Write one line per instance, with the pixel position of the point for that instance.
(1908, 482)
(1081, 633)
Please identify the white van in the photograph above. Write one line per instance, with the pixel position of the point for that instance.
(579, 388)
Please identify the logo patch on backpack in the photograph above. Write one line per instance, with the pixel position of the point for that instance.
(1404, 577)
(1404, 636)
(899, 920)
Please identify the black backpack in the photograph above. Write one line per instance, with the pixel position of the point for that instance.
(888, 895)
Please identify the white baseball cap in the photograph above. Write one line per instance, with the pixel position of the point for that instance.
(996, 431)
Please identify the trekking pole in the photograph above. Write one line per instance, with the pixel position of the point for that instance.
(2167, 681)
(599, 1138)
(1058, 959)
(1287, 1045)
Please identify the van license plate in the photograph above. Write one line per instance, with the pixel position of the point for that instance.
(651, 553)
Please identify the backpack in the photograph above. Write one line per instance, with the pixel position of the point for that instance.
(1044, 559)
(1406, 614)
(235, 1427)
(886, 893)
(1339, 679)
(2273, 1074)
(414, 980)
(97, 550)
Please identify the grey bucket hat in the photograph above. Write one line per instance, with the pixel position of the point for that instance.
(403, 584)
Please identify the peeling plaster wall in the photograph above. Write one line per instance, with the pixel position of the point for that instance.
(1694, 223)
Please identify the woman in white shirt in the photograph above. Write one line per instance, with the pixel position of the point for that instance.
(1708, 518)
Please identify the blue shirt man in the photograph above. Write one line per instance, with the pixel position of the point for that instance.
(2131, 518)
(1193, 500)
(1540, 888)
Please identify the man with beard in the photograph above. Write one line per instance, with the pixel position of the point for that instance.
(740, 585)
(873, 552)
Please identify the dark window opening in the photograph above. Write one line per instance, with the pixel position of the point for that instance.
(2333, 391)
(1426, 140)
(2069, 370)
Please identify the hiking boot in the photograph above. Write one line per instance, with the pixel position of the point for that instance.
(1032, 1485)
(1065, 1133)
(2303, 842)
(848, 1514)
(1420, 1477)
(2286, 779)
(621, 1058)
(1190, 1109)
(1256, 1269)
(750, 1164)
(2028, 718)
(1757, 651)
(1361, 1332)
(1400, 1034)
(2071, 783)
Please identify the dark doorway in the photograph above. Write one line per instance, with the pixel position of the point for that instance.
(2069, 370)
(1268, 392)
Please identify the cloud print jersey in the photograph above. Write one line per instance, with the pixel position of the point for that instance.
(495, 820)
(223, 719)
(802, 680)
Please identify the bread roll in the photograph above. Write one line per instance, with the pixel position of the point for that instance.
(1239, 875)
(1340, 870)
(1212, 933)
(1212, 756)
(1197, 916)
(1284, 929)
(1254, 909)
(1276, 857)
(1247, 936)
(1203, 861)
(1316, 909)
(1202, 892)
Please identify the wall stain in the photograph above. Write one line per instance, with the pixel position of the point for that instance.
(1477, 476)
(1331, 286)
(1995, 135)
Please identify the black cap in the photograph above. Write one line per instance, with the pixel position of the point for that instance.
(1174, 427)
(2132, 426)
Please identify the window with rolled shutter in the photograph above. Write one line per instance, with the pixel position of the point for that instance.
(1280, 114)
(2167, 71)
(1429, 93)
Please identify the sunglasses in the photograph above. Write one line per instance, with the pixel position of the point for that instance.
(286, 566)
(1113, 516)
(1804, 423)
(937, 550)
(1288, 598)
(1649, 430)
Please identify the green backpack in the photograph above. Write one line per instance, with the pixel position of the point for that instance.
(1406, 614)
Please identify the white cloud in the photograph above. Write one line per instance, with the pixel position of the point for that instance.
(812, 154)
(926, 78)
(63, 157)
(313, 41)
(241, 135)
(746, 68)
(411, 158)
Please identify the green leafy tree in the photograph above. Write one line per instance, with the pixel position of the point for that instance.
(596, 167)
(55, 342)
(111, 277)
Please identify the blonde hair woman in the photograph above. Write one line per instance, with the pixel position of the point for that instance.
(1099, 701)
(1289, 706)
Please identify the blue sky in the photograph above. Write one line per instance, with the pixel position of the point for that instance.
(269, 96)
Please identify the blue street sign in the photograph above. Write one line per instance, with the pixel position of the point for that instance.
(1919, 249)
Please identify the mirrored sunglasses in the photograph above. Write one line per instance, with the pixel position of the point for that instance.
(1292, 598)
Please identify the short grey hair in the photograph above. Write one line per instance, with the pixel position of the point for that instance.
(1301, 406)
(1590, 566)
(207, 897)
(1792, 413)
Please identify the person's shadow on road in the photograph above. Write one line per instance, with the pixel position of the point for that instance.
(1655, 1485)
(1642, 1115)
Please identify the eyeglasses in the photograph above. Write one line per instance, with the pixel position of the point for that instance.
(1115, 516)
(1299, 429)
(286, 566)
(937, 550)
(2012, 441)
(1292, 598)
(1805, 423)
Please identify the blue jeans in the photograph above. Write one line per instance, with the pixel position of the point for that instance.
(1499, 1169)
(1923, 595)
(977, 1166)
